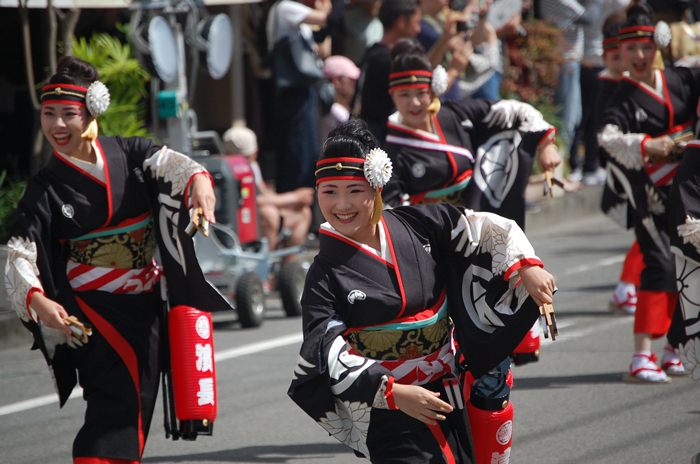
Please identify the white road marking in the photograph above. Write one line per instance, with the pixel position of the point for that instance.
(258, 347)
(218, 357)
(36, 402)
(600, 263)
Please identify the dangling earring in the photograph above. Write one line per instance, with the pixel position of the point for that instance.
(91, 131)
(434, 106)
(658, 61)
(378, 207)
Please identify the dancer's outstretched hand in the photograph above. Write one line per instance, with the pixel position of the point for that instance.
(203, 196)
(539, 284)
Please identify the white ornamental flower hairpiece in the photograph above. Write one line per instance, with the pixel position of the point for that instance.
(438, 83)
(377, 168)
(97, 98)
(662, 34)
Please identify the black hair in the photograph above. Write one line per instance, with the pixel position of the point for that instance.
(409, 55)
(391, 10)
(74, 71)
(612, 30)
(640, 14)
(350, 139)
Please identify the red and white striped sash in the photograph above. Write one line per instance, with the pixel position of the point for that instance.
(420, 371)
(662, 174)
(83, 277)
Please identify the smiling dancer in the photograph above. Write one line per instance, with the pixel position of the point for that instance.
(82, 245)
(377, 366)
(473, 153)
(651, 108)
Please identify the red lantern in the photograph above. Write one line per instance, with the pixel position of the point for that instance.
(194, 374)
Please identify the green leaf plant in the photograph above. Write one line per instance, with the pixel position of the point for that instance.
(126, 80)
(11, 192)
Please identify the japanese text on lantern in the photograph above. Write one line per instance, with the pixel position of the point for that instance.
(205, 363)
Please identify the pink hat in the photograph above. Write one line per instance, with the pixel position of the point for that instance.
(340, 66)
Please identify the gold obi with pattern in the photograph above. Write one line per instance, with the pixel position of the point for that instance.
(129, 245)
(403, 340)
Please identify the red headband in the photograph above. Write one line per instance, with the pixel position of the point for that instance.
(636, 34)
(66, 94)
(610, 45)
(340, 169)
(410, 79)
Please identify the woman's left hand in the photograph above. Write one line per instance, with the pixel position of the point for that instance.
(538, 283)
(202, 196)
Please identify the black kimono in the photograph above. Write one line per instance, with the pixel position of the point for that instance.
(464, 161)
(376, 317)
(614, 202)
(636, 113)
(86, 240)
(684, 335)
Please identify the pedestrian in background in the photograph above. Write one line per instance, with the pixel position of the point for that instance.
(295, 108)
(400, 19)
(343, 74)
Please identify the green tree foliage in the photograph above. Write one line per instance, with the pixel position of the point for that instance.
(126, 80)
(11, 192)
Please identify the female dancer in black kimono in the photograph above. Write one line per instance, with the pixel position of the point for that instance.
(474, 153)
(650, 109)
(82, 245)
(377, 366)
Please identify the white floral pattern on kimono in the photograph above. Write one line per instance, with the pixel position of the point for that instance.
(690, 357)
(690, 231)
(625, 148)
(21, 275)
(349, 424)
(173, 167)
(486, 232)
(505, 112)
(656, 206)
(618, 213)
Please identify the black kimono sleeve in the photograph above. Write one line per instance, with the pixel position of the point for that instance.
(480, 255)
(505, 135)
(169, 175)
(336, 388)
(35, 264)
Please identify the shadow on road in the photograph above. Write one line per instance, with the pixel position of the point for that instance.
(536, 383)
(264, 454)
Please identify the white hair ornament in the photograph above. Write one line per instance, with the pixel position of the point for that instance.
(662, 34)
(97, 99)
(438, 83)
(378, 168)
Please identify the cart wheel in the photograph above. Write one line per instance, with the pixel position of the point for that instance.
(291, 285)
(250, 300)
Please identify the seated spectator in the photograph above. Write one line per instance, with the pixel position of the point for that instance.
(343, 73)
(281, 214)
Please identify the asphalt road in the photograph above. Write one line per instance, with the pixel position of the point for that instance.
(571, 407)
